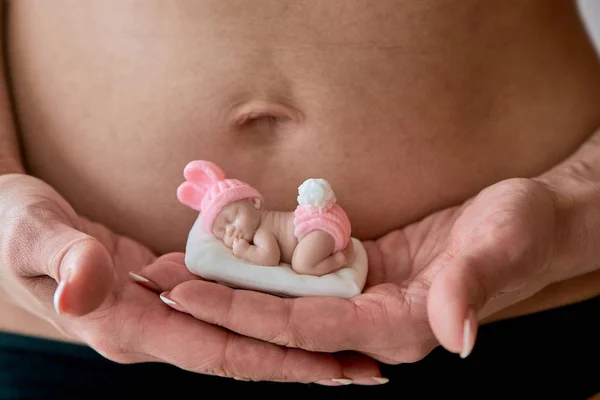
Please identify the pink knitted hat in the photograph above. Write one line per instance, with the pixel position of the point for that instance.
(207, 190)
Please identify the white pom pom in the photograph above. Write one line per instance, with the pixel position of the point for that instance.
(316, 193)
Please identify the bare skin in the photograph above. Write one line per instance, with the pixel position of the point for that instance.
(428, 101)
(266, 237)
(314, 255)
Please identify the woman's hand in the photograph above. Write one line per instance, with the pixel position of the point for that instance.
(75, 274)
(432, 282)
(429, 283)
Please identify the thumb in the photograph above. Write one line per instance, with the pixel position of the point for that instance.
(456, 295)
(83, 270)
(472, 286)
(499, 253)
(39, 244)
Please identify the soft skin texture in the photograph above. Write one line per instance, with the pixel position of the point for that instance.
(411, 108)
(266, 237)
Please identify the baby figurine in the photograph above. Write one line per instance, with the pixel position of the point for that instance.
(313, 238)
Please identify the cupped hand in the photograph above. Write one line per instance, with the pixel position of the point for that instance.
(428, 284)
(76, 275)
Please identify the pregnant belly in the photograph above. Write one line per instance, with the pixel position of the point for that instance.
(401, 119)
(402, 115)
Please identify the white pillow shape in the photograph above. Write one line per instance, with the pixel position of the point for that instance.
(207, 257)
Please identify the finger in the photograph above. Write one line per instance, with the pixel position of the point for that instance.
(164, 274)
(216, 351)
(358, 368)
(474, 283)
(174, 257)
(86, 276)
(312, 323)
(455, 297)
(42, 243)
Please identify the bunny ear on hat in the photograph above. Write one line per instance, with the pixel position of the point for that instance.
(203, 173)
(200, 175)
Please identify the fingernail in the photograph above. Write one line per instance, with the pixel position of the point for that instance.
(335, 382)
(468, 334)
(145, 282)
(166, 300)
(343, 381)
(237, 378)
(164, 296)
(60, 289)
(376, 380)
(380, 380)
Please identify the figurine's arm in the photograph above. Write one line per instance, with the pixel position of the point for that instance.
(265, 250)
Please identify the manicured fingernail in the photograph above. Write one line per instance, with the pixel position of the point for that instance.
(468, 334)
(335, 382)
(145, 282)
(164, 296)
(166, 300)
(60, 289)
(343, 381)
(380, 380)
(376, 380)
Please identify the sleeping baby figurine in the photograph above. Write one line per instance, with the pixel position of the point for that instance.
(238, 242)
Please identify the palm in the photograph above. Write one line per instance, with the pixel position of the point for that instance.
(394, 302)
(392, 306)
(127, 255)
(404, 264)
(133, 324)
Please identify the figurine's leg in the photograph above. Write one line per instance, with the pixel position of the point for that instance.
(312, 255)
(331, 264)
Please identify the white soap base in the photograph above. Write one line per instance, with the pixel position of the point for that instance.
(207, 257)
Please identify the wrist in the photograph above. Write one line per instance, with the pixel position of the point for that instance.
(575, 187)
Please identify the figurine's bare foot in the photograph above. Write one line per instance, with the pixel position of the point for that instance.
(312, 255)
(330, 264)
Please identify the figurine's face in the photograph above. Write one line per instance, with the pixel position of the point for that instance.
(238, 220)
